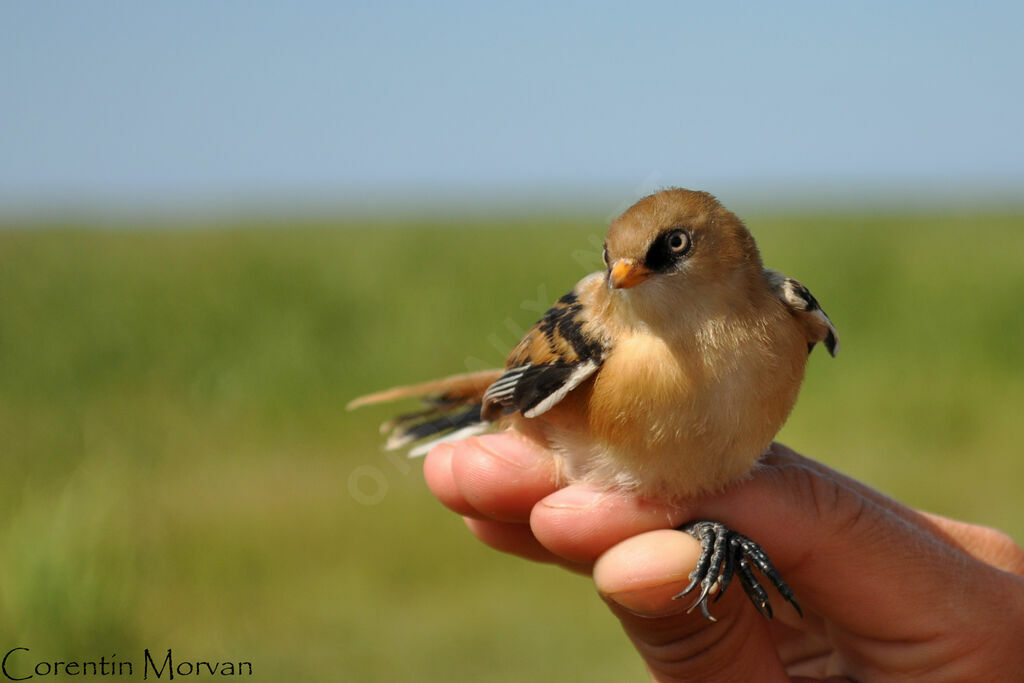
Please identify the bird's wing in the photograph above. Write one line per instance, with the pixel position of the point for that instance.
(559, 353)
(807, 309)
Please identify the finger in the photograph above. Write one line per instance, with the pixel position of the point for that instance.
(640, 578)
(516, 539)
(580, 522)
(989, 545)
(437, 471)
(501, 476)
(780, 456)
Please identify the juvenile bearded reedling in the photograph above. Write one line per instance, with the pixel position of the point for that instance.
(668, 374)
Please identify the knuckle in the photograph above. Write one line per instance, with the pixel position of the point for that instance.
(1002, 549)
(838, 508)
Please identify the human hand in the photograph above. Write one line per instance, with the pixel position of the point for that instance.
(888, 592)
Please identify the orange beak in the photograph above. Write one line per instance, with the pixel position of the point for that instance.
(628, 273)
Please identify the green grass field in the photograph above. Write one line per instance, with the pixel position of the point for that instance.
(179, 470)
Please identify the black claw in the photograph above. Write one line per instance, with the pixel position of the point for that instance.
(728, 570)
(764, 565)
(702, 600)
(754, 589)
(725, 554)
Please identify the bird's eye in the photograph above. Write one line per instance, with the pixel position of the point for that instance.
(668, 250)
(678, 242)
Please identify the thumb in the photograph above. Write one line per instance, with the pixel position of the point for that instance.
(639, 578)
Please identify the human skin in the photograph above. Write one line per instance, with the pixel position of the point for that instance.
(888, 592)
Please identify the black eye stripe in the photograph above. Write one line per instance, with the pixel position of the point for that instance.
(669, 247)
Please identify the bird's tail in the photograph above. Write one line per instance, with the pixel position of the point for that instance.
(451, 410)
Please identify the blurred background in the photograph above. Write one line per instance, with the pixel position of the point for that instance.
(221, 222)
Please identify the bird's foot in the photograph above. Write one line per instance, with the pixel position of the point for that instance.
(724, 554)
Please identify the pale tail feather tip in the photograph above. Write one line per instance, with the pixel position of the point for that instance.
(397, 440)
(459, 434)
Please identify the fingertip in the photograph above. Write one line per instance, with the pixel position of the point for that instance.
(501, 476)
(643, 574)
(437, 471)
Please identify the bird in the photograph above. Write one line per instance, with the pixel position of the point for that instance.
(667, 374)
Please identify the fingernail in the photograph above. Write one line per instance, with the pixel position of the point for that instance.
(576, 497)
(654, 601)
(511, 451)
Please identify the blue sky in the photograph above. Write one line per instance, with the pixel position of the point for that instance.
(185, 102)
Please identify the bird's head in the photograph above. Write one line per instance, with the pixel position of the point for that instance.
(678, 239)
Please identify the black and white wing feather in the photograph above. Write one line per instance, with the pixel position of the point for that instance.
(803, 304)
(558, 354)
